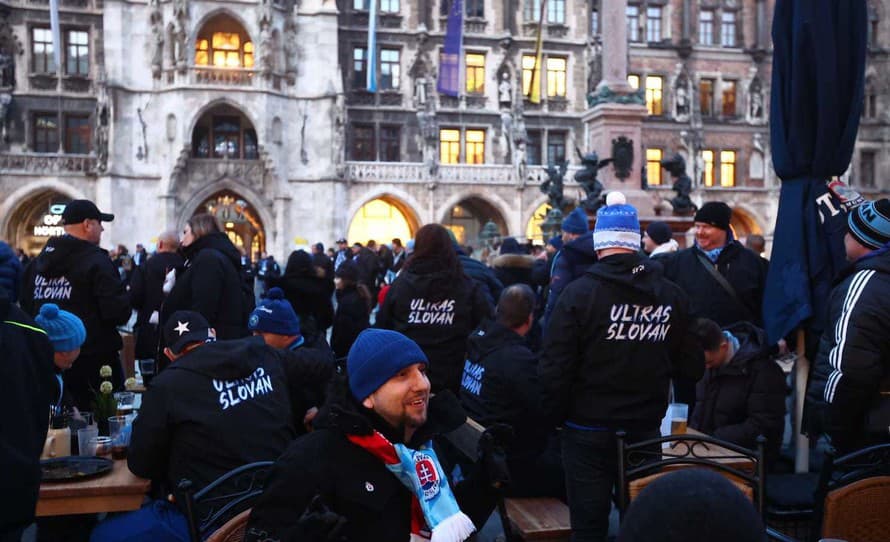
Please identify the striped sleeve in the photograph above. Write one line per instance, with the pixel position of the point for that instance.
(841, 329)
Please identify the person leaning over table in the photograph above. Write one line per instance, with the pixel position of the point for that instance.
(218, 406)
(66, 333)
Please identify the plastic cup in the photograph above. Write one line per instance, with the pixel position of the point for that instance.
(125, 402)
(119, 431)
(100, 446)
(85, 437)
(679, 418)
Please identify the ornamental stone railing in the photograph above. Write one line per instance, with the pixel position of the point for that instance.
(47, 164)
(201, 75)
(416, 172)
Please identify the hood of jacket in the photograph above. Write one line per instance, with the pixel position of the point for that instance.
(522, 261)
(879, 260)
(752, 346)
(60, 253)
(632, 271)
(216, 240)
(491, 336)
(582, 245)
(225, 360)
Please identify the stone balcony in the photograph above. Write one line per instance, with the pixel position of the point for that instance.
(417, 172)
(47, 164)
(224, 77)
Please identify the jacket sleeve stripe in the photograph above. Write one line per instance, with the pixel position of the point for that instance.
(835, 357)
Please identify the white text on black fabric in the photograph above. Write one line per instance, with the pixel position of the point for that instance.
(232, 392)
(472, 379)
(57, 288)
(439, 313)
(643, 323)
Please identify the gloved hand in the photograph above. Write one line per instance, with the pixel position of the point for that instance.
(320, 522)
(493, 446)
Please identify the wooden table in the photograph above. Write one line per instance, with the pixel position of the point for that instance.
(118, 491)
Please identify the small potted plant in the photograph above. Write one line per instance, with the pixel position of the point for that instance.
(104, 405)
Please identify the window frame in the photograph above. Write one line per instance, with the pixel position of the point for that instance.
(389, 144)
(706, 28)
(356, 143)
(527, 73)
(478, 147)
(50, 145)
(633, 23)
(78, 46)
(556, 146)
(534, 148)
(391, 11)
(360, 78)
(711, 110)
(395, 68)
(452, 144)
(559, 81)
(556, 12)
(47, 57)
(871, 181)
(728, 168)
(729, 30)
(478, 74)
(653, 167)
(478, 12)
(654, 24)
(724, 93)
(83, 146)
(654, 96)
(709, 167)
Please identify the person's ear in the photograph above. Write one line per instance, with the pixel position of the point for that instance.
(368, 402)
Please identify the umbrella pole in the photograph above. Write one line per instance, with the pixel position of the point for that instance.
(801, 374)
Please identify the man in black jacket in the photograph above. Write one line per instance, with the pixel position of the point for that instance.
(500, 385)
(615, 338)
(369, 472)
(78, 276)
(218, 406)
(147, 295)
(851, 374)
(742, 394)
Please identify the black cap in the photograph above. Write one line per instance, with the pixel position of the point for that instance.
(341, 240)
(83, 209)
(186, 327)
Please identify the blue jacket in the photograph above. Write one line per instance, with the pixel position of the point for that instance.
(570, 262)
(10, 272)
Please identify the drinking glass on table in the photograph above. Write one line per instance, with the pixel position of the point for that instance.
(679, 416)
(99, 446)
(85, 437)
(125, 402)
(147, 368)
(119, 430)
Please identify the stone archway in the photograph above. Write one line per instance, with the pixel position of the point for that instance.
(382, 218)
(743, 223)
(468, 216)
(36, 216)
(240, 220)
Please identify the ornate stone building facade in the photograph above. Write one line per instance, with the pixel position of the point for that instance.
(256, 110)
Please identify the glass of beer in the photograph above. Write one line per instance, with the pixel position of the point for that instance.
(119, 430)
(126, 401)
(679, 415)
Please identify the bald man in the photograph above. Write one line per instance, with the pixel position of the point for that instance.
(146, 294)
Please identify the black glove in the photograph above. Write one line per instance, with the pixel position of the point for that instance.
(322, 523)
(493, 446)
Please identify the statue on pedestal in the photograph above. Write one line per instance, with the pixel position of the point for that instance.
(587, 178)
(505, 91)
(681, 203)
(553, 186)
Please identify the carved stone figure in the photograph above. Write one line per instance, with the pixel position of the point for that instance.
(588, 180)
(505, 91)
(267, 51)
(7, 70)
(428, 139)
(5, 100)
(181, 37)
(553, 186)
(681, 203)
(520, 141)
(157, 40)
(681, 102)
(290, 47)
(420, 88)
(102, 120)
(338, 143)
(756, 100)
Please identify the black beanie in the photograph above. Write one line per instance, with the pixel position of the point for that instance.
(715, 213)
(659, 232)
(692, 504)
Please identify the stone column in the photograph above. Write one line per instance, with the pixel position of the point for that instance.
(687, 20)
(614, 24)
(761, 25)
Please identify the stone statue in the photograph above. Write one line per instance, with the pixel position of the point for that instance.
(7, 70)
(101, 134)
(681, 203)
(290, 47)
(157, 40)
(587, 178)
(338, 143)
(5, 100)
(520, 141)
(756, 100)
(181, 37)
(505, 91)
(420, 87)
(267, 51)
(554, 184)
(681, 109)
(428, 138)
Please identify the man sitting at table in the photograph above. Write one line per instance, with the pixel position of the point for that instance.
(742, 394)
(218, 406)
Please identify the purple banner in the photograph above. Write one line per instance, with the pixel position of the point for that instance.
(450, 61)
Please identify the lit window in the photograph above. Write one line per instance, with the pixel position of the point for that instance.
(556, 11)
(653, 167)
(202, 52)
(224, 49)
(633, 23)
(449, 146)
(653, 24)
(389, 68)
(727, 168)
(528, 67)
(77, 61)
(475, 73)
(729, 88)
(728, 29)
(556, 77)
(707, 157)
(706, 27)
(248, 54)
(706, 97)
(42, 60)
(475, 152)
(633, 81)
(654, 85)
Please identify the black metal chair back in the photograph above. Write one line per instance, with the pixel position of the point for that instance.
(224, 498)
(649, 457)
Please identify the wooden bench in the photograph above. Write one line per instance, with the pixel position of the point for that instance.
(545, 519)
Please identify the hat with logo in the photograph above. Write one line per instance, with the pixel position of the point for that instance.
(869, 223)
(83, 209)
(376, 356)
(64, 329)
(576, 222)
(617, 225)
(274, 314)
(715, 213)
(186, 327)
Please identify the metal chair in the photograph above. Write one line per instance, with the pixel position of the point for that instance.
(644, 461)
(223, 499)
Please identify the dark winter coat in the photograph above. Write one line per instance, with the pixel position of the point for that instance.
(744, 398)
(321, 261)
(349, 481)
(439, 325)
(616, 337)
(220, 406)
(308, 366)
(572, 261)
(10, 272)
(308, 294)
(483, 276)
(854, 353)
(368, 267)
(28, 372)
(514, 269)
(147, 296)
(500, 385)
(740, 267)
(350, 320)
(79, 277)
(211, 284)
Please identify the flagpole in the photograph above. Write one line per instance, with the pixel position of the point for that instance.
(371, 81)
(461, 63)
(57, 58)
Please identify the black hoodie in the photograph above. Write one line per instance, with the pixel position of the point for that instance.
(615, 338)
(79, 277)
(220, 406)
(211, 284)
(308, 294)
(744, 398)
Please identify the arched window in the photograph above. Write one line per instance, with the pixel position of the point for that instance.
(223, 43)
(224, 132)
(382, 219)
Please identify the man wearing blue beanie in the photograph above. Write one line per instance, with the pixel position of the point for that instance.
(571, 260)
(275, 320)
(373, 453)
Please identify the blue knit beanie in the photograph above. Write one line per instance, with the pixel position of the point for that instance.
(576, 222)
(617, 225)
(65, 330)
(376, 356)
(869, 223)
(274, 315)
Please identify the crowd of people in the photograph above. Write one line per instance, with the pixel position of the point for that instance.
(346, 366)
